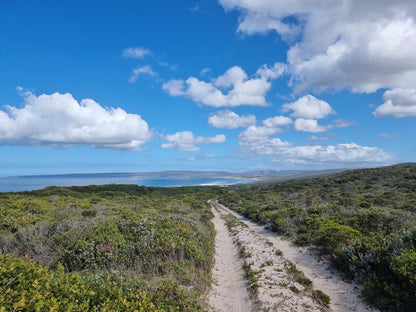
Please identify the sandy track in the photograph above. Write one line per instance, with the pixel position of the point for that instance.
(344, 296)
(229, 292)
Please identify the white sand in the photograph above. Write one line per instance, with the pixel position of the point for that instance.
(229, 291)
(274, 294)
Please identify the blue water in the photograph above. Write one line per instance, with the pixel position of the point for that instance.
(16, 184)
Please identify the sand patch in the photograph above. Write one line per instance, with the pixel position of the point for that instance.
(229, 291)
(276, 287)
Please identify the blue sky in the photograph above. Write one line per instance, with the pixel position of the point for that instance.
(236, 85)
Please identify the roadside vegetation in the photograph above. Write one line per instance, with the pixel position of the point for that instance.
(363, 220)
(105, 248)
(275, 283)
(132, 248)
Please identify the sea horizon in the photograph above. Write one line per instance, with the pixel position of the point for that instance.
(34, 182)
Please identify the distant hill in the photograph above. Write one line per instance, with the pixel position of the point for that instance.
(258, 175)
(267, 174)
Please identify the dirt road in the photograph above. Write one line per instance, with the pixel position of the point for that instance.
(229, 292)
(274, 282)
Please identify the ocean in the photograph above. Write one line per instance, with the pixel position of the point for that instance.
(28, 183)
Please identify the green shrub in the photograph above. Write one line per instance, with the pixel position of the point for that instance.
(329, 234)
(294, 289)
(363, 219)
(163, 238)
(321, 297)
(28, 286)
(252, 277)
(397, 288)
(298, 275)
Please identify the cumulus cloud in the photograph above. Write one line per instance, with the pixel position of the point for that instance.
(185, 141)
(230, 120)
(271, 72)
(136, 52)
(259, 141)
(284, 152)
(174, 87)
(277, 121)
(341, 153)
(233, 88)
(308, 107)
(398, 103)
(255, 133)
(59, 120)
(141, 70)
(309, 125)
(339, 44)
(259, 137)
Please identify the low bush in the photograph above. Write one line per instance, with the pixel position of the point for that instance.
(363, 220)
(28, 286)
(321, 297)
(105, 248)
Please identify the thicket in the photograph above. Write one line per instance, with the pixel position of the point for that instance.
(105, 248)
(364, 220)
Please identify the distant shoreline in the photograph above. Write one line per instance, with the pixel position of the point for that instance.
(29, 183)
(185, 174)
(153, 179)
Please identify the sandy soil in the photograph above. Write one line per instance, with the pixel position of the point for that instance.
(275, 282)
(229, 292)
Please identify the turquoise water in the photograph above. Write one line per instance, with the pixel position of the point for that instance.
(16, 184)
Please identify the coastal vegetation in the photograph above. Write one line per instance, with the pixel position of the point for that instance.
(105, 248)
(134, 248)
(363, 220)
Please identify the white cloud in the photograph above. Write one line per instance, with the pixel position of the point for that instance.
(185, 141)
(309, 125)
(265, 147)
(167, 65)
(277, 121)
(317, 138)
(174, 87)
(255, 133)
(258, 138)
(398, 103)
(230, 120)
(200, 156)
(205, 71)
(146, 70)
(341, 153)
(59, 120)
(283, 152)
(342, 123)
(258, 141)
(231, 89)
(389, 135)
(360, 45)
(136, 52)
(308, 107)
(231, 77)
(271, 73)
